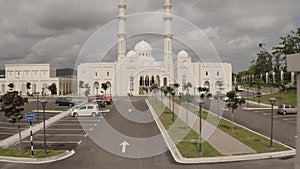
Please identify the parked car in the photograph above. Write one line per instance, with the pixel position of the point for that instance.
(239, 88)
(64, 102)
(286, 109)
(100, 103)
(86, 110)
(15, 118)
(105, 99)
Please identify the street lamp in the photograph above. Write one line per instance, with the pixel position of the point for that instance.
(272, 101)
(44, 102)
(173, 117)
(200, 102)
(37, 106)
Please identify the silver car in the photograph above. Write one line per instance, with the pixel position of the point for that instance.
(86, 110)
(286, 109)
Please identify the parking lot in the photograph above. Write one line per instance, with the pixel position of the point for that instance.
(64, 134)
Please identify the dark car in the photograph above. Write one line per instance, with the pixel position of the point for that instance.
(15, 118)
(64, 102)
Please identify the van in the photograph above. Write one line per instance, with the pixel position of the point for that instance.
(86, 110)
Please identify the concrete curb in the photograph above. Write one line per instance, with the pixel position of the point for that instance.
(62, 156)
(223, 159)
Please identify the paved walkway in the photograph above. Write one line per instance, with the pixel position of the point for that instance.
(221, 141)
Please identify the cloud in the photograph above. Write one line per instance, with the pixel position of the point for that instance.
(54, 30)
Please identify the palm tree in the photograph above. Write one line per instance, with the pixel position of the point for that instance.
(104, 87)
(176, 85)
(169, 91)
(187, 86)
(233, 104)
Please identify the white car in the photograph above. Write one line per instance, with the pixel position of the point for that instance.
(86, 110)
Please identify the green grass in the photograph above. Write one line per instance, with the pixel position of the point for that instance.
(281, 97)
(256, 142)
(27, 153)
(188, 146)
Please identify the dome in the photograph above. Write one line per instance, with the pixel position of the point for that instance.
(183, 54)
(131, 53)
(142, 46)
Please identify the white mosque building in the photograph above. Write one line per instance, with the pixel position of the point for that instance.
(135, 71)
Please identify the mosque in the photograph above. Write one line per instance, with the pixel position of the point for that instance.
(135, 71)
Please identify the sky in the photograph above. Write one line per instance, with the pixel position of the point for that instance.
(55, 31)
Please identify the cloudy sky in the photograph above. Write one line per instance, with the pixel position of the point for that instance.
(54, 31)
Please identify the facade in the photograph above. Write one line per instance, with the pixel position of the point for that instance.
(135, 71)
(40, 76)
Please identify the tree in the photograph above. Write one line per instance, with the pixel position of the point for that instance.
(12, 106)
(220, 86)
(187, 86)
(104, 86)
(169, 91)
(11, 86)
(203, 91)
(176, 85)
(53, 89)
(233, 104)
(81, 86)
(87, 91)
(28, 87)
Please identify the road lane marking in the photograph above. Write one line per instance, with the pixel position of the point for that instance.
(53, 142)
(63, 135)
(124, 144)
(79, 142)
(85, 135)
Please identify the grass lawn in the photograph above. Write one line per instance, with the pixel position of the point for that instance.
(281, 97)
(27, 153)
(258, 143)
(188, 146)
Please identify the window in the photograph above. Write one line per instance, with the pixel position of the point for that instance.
(96, 73)
(206, 73)
(90, 107)
(131, 81)
(82, 108)
(107, 73)
(218, 73)
(183, 80)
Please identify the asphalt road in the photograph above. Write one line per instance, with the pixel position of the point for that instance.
(91, 156)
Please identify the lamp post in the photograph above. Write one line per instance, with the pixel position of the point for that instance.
(194, 96)
(173, 117)
(44, 102)
(200, 102)
(247, 97)
(272, 101)
(37, 106)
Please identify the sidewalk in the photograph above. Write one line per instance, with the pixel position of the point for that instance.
(221, 141)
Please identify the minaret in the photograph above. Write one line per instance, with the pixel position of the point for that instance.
(168, 61)
(122, 31)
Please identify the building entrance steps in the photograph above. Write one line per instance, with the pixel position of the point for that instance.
(221, 141)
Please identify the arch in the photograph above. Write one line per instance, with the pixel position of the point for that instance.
(96, 86)
(141, 80)
(165, 81)
(147, 81)
(207, 84)
(34, 87)
(23, 88)
(158, 80)
(152, 80)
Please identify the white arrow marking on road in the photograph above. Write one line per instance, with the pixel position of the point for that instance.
(124, 145)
